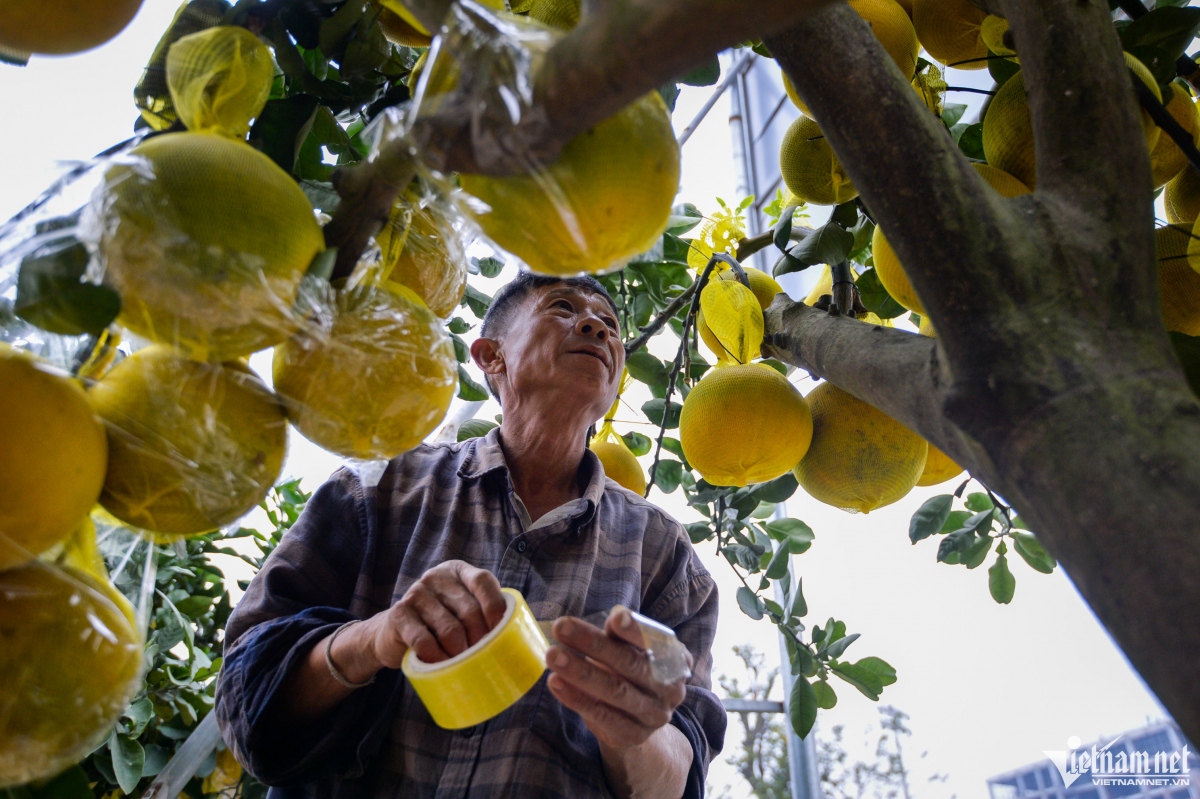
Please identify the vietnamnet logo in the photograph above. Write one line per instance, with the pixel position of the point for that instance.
(1121, 768)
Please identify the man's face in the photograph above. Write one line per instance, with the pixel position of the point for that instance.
(563, 344)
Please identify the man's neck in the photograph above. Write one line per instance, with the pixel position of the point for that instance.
(543, 462)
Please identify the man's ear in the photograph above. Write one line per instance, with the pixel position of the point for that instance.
(486, 354)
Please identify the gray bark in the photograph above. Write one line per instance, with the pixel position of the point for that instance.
(1052, 378)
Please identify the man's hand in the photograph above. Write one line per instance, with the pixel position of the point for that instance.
(449, 609)
(611, 687)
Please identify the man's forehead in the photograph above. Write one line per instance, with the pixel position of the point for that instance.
(575, 292)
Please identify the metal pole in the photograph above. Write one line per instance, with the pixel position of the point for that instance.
(803, 772)
(735, 70)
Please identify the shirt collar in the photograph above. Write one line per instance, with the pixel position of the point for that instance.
(486, 455)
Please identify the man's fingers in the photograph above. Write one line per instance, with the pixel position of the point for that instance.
(610, 725)
(647, 709)
(422, 603)
(623, 658)
(621, 624)
(463, 604)
(486, 590)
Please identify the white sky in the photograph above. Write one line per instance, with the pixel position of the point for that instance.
(988, 687)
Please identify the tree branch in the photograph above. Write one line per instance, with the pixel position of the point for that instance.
(941, 218)
(609, 60)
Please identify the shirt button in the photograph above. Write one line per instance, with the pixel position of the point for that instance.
(522, 546)
(467, 732)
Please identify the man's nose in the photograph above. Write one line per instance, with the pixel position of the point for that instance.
(591, 326)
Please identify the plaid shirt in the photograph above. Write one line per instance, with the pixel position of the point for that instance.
(355, 550)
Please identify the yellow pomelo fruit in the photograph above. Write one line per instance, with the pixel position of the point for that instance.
(372, 382)
(992, 30)
(220, 79)
(206, 240)
(810, 169)
(55, 454)
(398, 31)
(951, 32)
(1166, 159)
(861, 458)
(621, 465)
(191, 446)
(891, 25)
(415, 254)
(1178, 281)
(907, 6)
(1182, 197)
(1008, 127)
(69, 663)
(58, 27)
(762, 285)
(562, 14)
(926, 328)
(744, 424)
(938, 468)
(719, 234)
(887, 264)
(607, 197)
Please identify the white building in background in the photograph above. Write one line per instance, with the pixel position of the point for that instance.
(1151, 762)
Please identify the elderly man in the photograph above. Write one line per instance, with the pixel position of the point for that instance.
(311, 698)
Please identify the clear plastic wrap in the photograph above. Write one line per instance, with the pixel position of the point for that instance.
(603, 200)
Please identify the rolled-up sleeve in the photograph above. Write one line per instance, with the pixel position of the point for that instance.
(688, 604)
(302, 594)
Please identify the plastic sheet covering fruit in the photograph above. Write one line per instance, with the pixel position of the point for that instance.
(421, 247)
(71, 654)
(604, 199)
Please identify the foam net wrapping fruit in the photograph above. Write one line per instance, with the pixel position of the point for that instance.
(601, 201)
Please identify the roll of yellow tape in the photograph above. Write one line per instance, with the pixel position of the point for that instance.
(488, 678)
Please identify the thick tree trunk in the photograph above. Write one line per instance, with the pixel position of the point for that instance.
(1052, 379)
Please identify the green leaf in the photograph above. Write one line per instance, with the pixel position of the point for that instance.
(778, 490)
(749, 602)
(930, 517)
(955, 521)
(475, 428)
(667, 475)
(638, 444)
(458, 326)
(977, 552)
(1002, 69)
(655, 408)
(1033, 553)
(669, 93)
(868, 683)
(468, 389)
(645, 367)
(321, 266)
(699, 532)
(845, 214)
(876, 298)
(128, 759)
(970, 142)
(139, 714)
(195, 606)
(798, 535)
(802, 706)
(778, 566)
(837, 647)
(488, 267)
(1001, 582)
(782, 234)
(952, 113)
(979, 502)
(828, 244)
(880, 668)
(283, 127)
(1169, 29)
(683, 218)
(799, 607)
(321, 195)
(704, 75)
(52, 294)
(476, 300)
(955, 544)
(826, 697)
(1187, 349)
(674, 446)
(462, 353)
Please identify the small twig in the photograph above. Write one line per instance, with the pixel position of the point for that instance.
(844, 291)
(1162, 117)
(969, 89)
(676, 365)
(657, 323)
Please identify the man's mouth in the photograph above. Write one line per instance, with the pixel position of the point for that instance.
(596, 353)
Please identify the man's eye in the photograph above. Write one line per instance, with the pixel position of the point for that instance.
(612, 323)
(563, 304)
